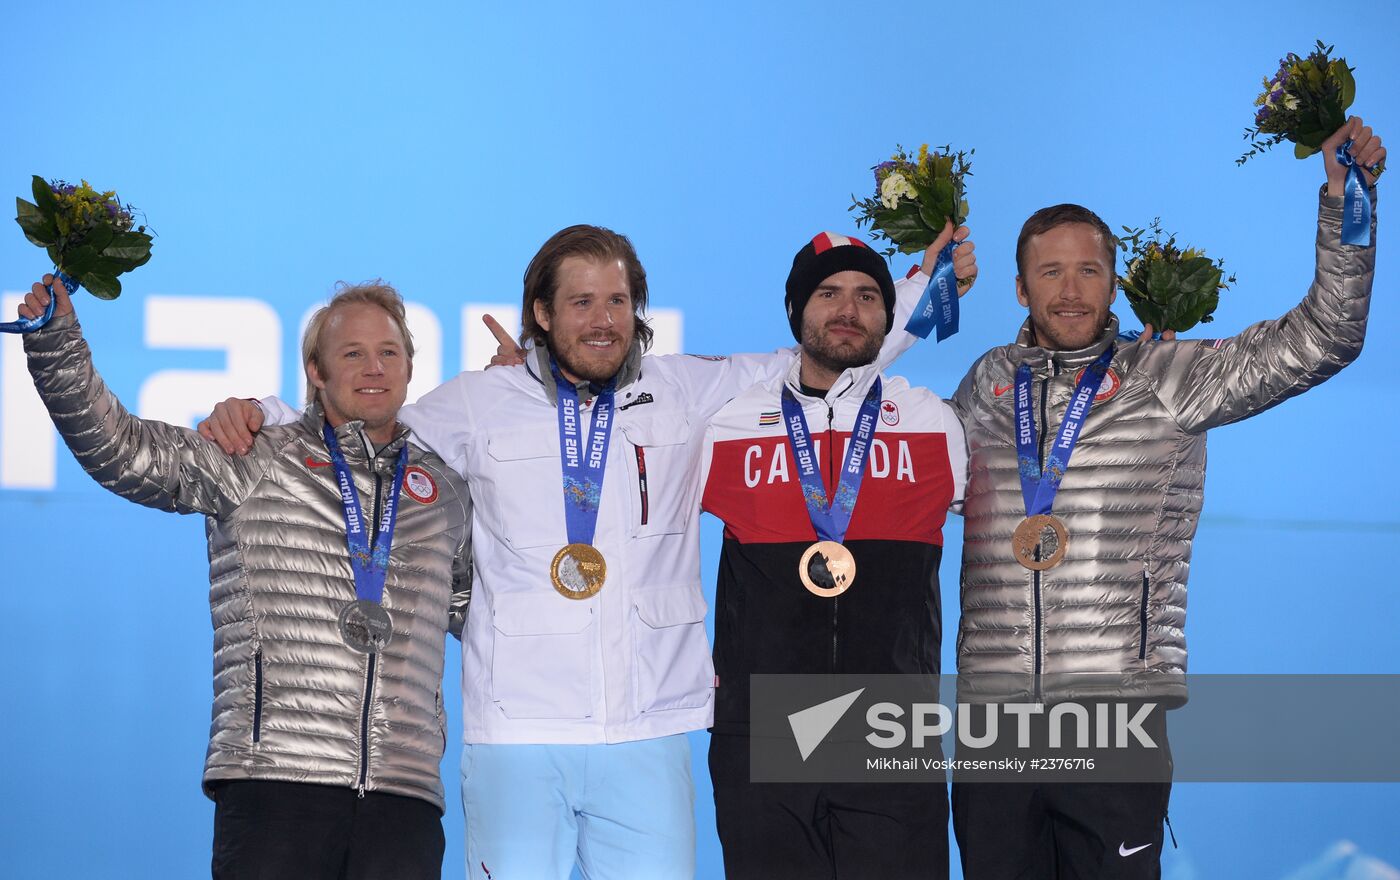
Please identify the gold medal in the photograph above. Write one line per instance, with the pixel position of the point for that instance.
(827, 569)
(1039, 542)
(578, 571)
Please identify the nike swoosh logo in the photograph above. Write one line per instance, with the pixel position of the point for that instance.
(311, 462)
(1123, 851)
(999, 390)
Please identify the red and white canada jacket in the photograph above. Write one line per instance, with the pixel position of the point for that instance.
(890, 620)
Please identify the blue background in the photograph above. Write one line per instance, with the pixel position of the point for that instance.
(277, 148)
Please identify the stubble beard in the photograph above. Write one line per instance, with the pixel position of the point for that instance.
(838, 356)
(1046, 338)
(592, 369)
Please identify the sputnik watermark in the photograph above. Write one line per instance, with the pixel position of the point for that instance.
(1069, 725)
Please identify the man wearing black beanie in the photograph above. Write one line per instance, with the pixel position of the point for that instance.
(829, 254)
(801, 590)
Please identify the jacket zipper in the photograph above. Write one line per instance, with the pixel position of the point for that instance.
(1040, 460)
(257, 695)
(831, 471)
(642, 480)
(369, 668)
(364, 722)
(1142, 641)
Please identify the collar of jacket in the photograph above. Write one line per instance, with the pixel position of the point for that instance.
(537, 363)
(853, 380)
(354, 442)
(1024, 352)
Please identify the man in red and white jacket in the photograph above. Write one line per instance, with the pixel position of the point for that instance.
(840, 300)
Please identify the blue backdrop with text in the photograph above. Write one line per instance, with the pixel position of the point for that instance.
(279, 148)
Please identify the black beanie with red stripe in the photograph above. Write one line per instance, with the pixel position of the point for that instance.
(824, 256)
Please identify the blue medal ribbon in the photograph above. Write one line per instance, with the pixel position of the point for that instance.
(831, 517)
(1038, 486)
(1356, 210)
(369, 560)
(583, 468)
(938, 306)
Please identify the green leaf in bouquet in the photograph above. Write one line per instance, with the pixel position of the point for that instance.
(79, 261)
(110, 267)
(932, 219)
(44, 198)
(102, 286)
(904, 227)
(1346, 80)
(1303, 151)
(118, 265)
(99, 237)
(55, 255)
(1199, 273)
(1191, 309)
(1147, 311)
(1161, 280)
(947, 196)
(131, 246)
(37, 228)
(925, 193)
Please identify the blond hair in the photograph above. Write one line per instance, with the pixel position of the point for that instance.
(372, 293)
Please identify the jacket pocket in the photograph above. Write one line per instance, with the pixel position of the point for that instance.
(671, 659)
(542, 661)
(257, 695)
(1142, 619)
(660, 472)
(525, 487)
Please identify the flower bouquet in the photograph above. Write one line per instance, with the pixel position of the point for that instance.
(1169, 287)
(90, 236)
(1304, 102)
(915, 196)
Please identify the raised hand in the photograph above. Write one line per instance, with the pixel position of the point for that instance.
(1167, 335)
(1366, 150)
(37, 300)
(508, 354)
(964, 258)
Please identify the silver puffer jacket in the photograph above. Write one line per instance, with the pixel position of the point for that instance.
(291, 702)
(1132, 495)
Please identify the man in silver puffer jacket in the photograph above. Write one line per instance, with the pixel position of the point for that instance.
(1130, 501)
(323, 759)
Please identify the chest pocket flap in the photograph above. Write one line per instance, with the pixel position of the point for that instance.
(523, 476)
(663, 472)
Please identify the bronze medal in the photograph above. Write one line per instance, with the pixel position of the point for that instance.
(578, 571)
(1039, 542)
(827, 569)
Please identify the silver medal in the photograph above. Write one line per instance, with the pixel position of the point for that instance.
(365, 626)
